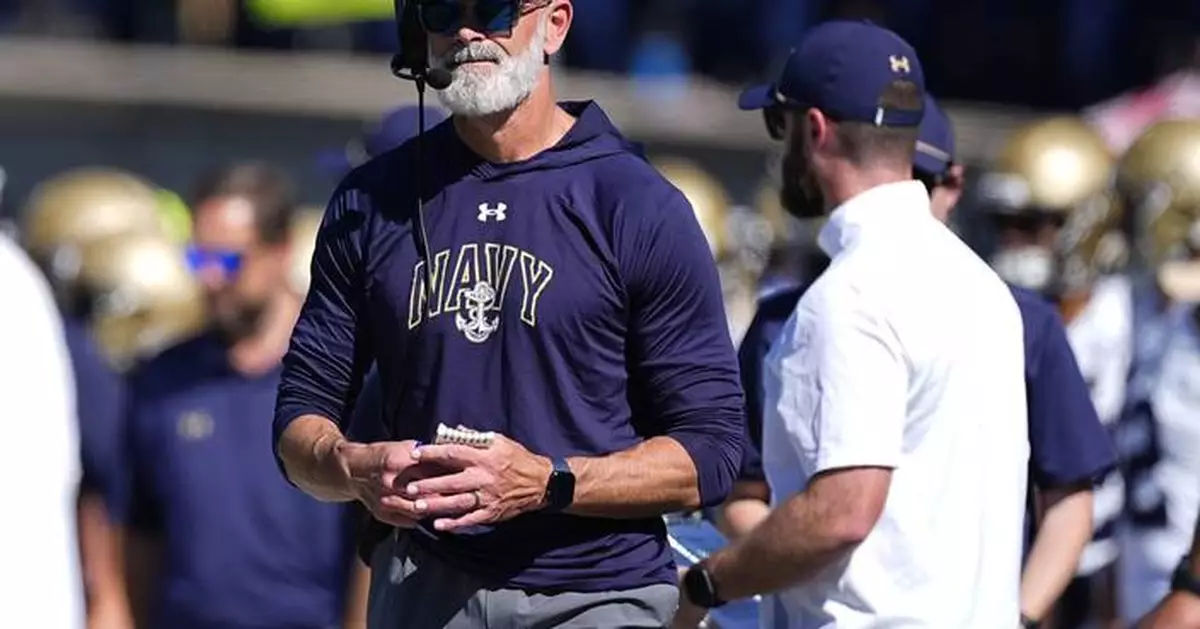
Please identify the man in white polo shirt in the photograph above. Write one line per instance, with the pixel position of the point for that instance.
(895, 434)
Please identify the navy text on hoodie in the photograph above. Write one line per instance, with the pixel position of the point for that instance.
(574, 307)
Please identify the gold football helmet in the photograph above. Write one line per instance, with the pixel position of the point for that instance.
(1159, 179)
(142, 296)
(82, 205)
(304, 242)
(709, 200)
(1056, 172)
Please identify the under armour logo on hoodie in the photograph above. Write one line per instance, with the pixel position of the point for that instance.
(500, 212)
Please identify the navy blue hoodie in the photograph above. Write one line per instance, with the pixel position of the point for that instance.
(575, 308)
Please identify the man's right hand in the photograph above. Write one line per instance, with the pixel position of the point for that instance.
(376, 475)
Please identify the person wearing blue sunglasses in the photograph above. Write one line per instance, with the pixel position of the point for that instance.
(552, 289)
(250, 550)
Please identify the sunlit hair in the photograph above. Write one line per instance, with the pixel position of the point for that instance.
(491, 88)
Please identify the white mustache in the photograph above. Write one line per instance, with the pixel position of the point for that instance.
(475, 51)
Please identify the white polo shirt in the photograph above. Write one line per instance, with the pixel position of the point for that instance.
(907, 353)
(39, 470)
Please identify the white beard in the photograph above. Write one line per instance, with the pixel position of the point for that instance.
(491, 88)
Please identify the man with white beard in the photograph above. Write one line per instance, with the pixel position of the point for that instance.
(555, 294)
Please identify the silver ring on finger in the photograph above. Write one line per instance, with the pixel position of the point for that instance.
(478, 499)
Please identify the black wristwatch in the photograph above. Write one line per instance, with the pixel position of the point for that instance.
(560, 489)
(1028, 623)
(1183, 580)
(699, 587)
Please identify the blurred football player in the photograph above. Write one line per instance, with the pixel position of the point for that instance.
(140, 296)
(305, 225)
(1069, 448)
(86, 204)
(1181, 608)
(63, 220)
(137, 298)
(40, 472)
(218, 539)
(1158, 436)
(100, 410)
(71, 209)
(1058, 229)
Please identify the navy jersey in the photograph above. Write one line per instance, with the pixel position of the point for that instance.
(243, 548)
(570, 302)
(100, 398)
(1068, 444)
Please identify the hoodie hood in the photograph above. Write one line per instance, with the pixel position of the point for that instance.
(592, 137)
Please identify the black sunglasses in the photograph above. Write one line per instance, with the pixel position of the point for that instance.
(445, 17)
(775, 119)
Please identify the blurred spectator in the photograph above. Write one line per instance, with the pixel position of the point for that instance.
(396, 127)
(601, 35)
(100, 406)
(218, 537)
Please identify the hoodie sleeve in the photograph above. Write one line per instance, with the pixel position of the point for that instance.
(682, 363)
(324, 366)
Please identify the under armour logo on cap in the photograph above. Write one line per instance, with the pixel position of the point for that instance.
(899, 64)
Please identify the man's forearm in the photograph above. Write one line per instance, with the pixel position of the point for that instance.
(654, 477)
(357, 591)
(308, 449)
(793, 543)
(1064, 531)
(103, 558)
(746, 508)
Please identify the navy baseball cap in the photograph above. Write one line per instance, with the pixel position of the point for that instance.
(397, 127)
(842, 67)
(935, 141)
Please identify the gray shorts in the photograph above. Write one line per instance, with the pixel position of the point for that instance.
(411, 589)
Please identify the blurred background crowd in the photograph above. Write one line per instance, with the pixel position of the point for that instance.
(1044, 53)
(119, 118)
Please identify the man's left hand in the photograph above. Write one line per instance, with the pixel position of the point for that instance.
(490, 485)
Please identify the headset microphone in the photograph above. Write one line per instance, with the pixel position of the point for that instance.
(412, 64)
(439, 78)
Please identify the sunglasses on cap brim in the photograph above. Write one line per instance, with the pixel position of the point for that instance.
(775, 115)
(446, 17)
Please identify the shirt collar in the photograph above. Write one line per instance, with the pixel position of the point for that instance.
(885, 205)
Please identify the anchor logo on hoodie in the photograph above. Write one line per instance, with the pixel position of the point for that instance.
(472, 282)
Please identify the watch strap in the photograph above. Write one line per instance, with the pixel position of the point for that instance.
(700, 588)
(1183, 580)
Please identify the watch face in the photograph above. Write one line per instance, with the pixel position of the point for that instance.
(564, 489)
(561, 489)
